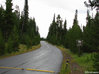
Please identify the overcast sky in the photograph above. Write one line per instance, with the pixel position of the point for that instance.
(43, 11)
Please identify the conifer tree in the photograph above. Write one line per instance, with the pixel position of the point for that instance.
(1, 43)
(15, 30)
(2, 19)
(64, 38)
(9, 21)
(56, 34)
(25, 24)
(75, 34)
(88, 44)
(96, 31)
(25, 16)
(96, 40)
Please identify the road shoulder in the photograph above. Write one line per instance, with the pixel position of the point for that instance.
(73, 67)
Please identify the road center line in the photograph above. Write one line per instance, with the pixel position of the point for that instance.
(28, 69)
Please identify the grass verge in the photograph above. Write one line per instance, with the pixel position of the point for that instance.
(85, 61)
(63, 68)
(22, 49)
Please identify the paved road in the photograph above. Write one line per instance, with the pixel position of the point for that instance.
(47, 57)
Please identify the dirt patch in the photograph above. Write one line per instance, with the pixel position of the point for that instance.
(75, 68)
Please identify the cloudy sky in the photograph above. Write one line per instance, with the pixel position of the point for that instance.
(43, 11)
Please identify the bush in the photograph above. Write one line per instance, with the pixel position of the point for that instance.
(96, 61)
(9, 46)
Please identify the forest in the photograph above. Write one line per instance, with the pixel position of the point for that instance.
(16, 28)
(89, 35)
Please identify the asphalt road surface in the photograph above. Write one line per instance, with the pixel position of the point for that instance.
(48, 57)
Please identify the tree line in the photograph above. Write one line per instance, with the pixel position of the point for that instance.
(16, 28)
(59, 35)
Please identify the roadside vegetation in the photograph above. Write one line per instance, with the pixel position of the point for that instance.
(17, 30)
(83, 43)
(22, 49)
(63, 67)
(85, 62)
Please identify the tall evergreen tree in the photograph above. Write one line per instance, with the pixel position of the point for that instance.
(25, 24)
(75, 34)
(15, 30)
(64, 39)
(52, 35)
(9, 21)
(25, 16)
(65, 25)
(2, 19)
(88, 34)
(96, 31)
(57, 31)
(1, 43)
(96, 40)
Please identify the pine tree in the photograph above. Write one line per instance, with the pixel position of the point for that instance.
(9, 21)
(96, 31)
(65, 29)
(64, 41)
(25, 16)
(68, 39)
(21, 25)
(12, 43)
(1, 29)
(1, 43)
(52, 32)
(16, 32)
(88, 35)
(96, 40)
(75, 34)
(2, 19)
(56, 34)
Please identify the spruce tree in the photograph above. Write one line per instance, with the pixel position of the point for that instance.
(1, 43)
(75, 34)
(88, 35)
(9, 19)
(96, 31)
(25, 16)
(25, 24)
(16, 32)
(1, 31)
(56, 34)
(2, 19)
(64, 41)
(96, 40)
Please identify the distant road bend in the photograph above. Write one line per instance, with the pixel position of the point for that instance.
(48, 57)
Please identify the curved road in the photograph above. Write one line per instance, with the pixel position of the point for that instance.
(47, 57)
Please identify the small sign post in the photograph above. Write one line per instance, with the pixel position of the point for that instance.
(79, 44)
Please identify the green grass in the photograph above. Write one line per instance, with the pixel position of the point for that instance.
(22, 49)
(85, 60)
(63, 67)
